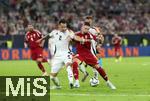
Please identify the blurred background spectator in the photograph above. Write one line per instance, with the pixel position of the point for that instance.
(114, 16)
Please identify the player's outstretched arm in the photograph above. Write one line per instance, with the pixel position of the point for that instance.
(77, 38)
(42, 43)
(43, 38)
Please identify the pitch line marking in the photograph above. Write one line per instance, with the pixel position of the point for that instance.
(82, 94)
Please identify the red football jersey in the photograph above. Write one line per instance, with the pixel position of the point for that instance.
(86, 46)
(117, 41)
(32, 37)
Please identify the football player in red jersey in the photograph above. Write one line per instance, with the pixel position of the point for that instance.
(36, 48)
(85, 54)
(116, 41)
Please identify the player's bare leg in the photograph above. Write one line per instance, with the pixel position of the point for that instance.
(55, 80)
(104, 76)
(70, 74)
(95, 73)
(118, 56)
(86, 73)
(83, 70)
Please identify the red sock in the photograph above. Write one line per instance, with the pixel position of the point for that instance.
(41, 67)
(44, 60)
(75, 70)
(102, 73)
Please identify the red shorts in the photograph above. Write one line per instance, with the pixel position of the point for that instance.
(36, 53)
(88, 58)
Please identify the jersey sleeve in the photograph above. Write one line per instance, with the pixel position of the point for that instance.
(78, 34)
(71, 34)
(51, 34)
(93, 31)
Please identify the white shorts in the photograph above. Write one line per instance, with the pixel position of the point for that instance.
(58, 62)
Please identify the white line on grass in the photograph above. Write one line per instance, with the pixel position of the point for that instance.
(132, 63)
(144, 64)
(82, 94)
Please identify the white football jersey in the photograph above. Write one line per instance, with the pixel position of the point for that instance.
(93, 31)
(59, 42)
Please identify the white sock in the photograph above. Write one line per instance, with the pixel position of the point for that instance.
(70, 74)
(95, 72)
(107, 81)
(77, 81)
(82, 68)
(55, 80)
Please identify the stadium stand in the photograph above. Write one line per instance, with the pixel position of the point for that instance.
(114, 16)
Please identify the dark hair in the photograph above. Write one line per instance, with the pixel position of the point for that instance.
(89, 17)
(62, 21)
(87, 23)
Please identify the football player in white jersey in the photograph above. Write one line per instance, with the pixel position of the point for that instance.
(59, 48)
(95, 31)
(59, 40)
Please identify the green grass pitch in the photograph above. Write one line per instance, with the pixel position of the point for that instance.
(131, 76)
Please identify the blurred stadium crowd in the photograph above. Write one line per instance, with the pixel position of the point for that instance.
(114, 16)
